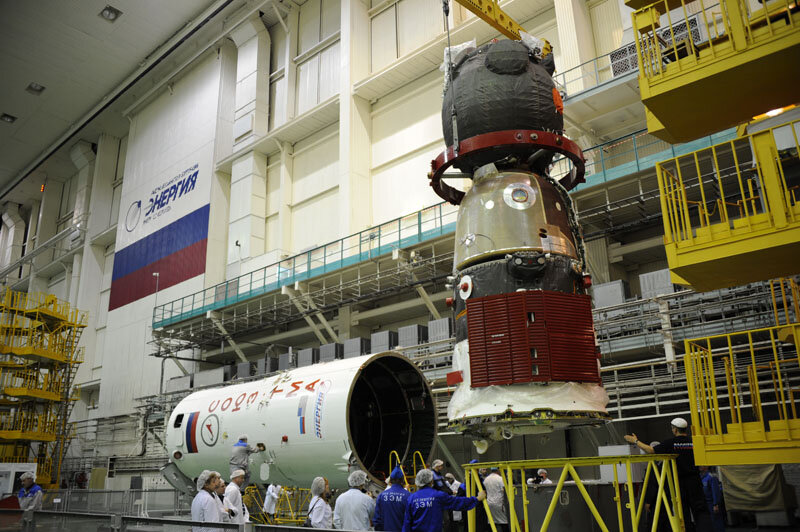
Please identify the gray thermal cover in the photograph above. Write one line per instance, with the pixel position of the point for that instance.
(500, 86)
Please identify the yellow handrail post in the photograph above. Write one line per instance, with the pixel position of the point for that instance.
(552, 507)
(618, 497)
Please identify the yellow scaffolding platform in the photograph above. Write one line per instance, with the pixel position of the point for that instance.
(744, 388)
(731, 213)
(660, 468)
(39, 357)
(706, 65)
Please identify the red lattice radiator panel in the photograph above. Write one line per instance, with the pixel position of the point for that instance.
(532, 336)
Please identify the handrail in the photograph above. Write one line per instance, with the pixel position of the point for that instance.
(746, 172)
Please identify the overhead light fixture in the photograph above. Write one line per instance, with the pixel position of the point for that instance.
(35, 89)
(5, 117)
(110, 13)
(774, 112)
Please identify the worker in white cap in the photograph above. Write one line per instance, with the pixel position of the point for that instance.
(426, 506)
(30, 495)
(320, 514)
(542, 473)
(233, 498)
(271, 498)
(354, 508)
(204, 504)
(496, 498)
(695, 513)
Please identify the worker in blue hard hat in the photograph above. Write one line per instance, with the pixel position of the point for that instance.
(390, 508)
(427, 505)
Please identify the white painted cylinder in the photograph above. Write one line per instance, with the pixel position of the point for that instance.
(321, 420)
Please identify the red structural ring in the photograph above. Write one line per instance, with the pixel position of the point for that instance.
(497, 140)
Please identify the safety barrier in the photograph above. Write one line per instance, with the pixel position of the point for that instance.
(743, 404)
(628, 510)
(424, 225)
(731, 212)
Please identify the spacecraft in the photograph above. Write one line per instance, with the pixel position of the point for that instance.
(525, 359)
(326, 420)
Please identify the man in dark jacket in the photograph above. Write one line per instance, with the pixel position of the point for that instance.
(426, 507)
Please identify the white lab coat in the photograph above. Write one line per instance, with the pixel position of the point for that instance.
(233, 501)
(545, 482)
(496, 497)
(205, 508)
(223, 512)
(353, 511)
(457, 516)
(320, 513)
(271, 498)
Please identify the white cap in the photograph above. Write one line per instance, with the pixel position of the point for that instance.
(27, 475)
(202, 479)
(541, 471)
(357, 479)
(318, 486)
(243, 437)
(679, 422)
(436, 463)
(424, 477)
(237, 473)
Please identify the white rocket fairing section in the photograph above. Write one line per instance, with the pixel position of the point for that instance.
(321, 420)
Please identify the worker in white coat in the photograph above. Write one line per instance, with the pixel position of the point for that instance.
(271, 498)
(496, 498)
(204, 505)
(219, 492)
(320, 514)
(233, 498)
(354, 508)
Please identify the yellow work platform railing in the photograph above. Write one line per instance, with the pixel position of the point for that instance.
(32, 384)
(28, 425)
(706, 65)
(628, 500)
(731, 212)
(743, 393)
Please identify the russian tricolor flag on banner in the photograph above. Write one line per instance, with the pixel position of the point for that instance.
(191, 432)
(177, 252)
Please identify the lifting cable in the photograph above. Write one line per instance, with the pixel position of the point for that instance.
(449, 73)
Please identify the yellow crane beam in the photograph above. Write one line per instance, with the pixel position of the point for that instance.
(490, 12)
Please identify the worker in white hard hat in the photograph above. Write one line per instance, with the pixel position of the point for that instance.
(204, 504)
(240, 457)
(426, 506)
(30, 495)
(233, 498)
(695, 513)
(354, 508)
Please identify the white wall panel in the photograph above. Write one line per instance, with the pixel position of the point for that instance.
(331, 17)
(418, 21)
(408, 122)
(102, 308)
(383, 40)
(401, 188)
(606, 26)
(273, 189)
(272, 233)
(277, 50)
(307, 84)
(315, 169)
(308, 30)
(315, 222)
(277, 103)
(329, 67)
(99, 347)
